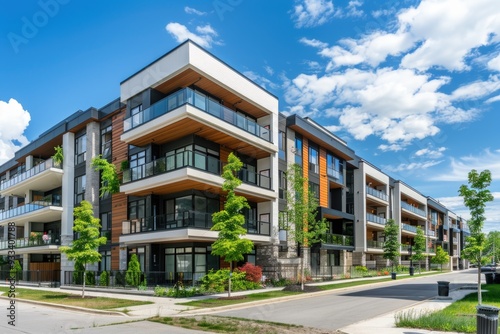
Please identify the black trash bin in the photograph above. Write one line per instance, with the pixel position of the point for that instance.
(496, 278)
(412, 271)
(443, 288)
(393, 275)
(489, 278)
(487, 319)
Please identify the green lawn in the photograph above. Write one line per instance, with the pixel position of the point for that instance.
(96, 303)
(460, 316)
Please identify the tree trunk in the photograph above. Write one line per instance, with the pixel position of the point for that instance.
(230, 274)
(84, 279)
(302, 270)
(479, 295)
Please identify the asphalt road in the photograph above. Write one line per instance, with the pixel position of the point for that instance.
(342, 308)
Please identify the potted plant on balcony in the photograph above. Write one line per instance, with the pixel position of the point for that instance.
(58, 156)
(45, 238)
(34, 238)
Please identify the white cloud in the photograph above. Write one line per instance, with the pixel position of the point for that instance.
(269, 70)
(260, 80)
(494, 64)
(204, 38)
(352, 10)
(190, 10)
(460, 167)
(391, 147)
(493, 99)
(477, 89)
(312, 13)
(313, 42)
(13, 122)
(412, 166)
(430, 153)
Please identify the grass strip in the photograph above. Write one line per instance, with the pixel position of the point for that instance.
(459, 316)
(61, 298)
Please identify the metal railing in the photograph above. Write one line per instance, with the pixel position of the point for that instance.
(377, 193)
(336, 174)
(29, 173)
(191, 159)
(203, 103)
(374, 244)
(27, 208)
(431, 233)
(409, 228)
(51, 239)
(413, 209)
(338, 239)
(376, 219)
(38, 277)
(186, 219)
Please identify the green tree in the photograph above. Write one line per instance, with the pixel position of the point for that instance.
(83, 250)
(110, 183)
(475, 196)
(301, 213)
(419, 247)
(492, 248)
(441, 257)
(58, 156)
(229, 221)
(391, 243)
(133, 274)
(16, 270)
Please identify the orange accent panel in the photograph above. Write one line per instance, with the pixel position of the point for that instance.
(323, 180)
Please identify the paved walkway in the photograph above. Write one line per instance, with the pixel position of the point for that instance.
(162, 306)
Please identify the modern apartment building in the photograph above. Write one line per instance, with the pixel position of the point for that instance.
(169, 135)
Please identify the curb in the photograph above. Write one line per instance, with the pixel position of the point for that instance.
(70, 307)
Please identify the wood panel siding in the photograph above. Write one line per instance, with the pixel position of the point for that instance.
(323, 179)
(305, 164)
(119, 200)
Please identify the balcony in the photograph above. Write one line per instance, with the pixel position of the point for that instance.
(30, 208)
(409, 228)
(338, 239)
(337, 175)
(202, 102)
(413, 209)
(191, 159)
(43, 177)
(374, 244)
(30, 242)
(377, 193)
(431, 233)
(375, 219)
(186, 219)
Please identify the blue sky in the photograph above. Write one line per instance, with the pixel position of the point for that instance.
(412, 86)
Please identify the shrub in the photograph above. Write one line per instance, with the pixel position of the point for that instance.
(252, 272)
(160, 291)
(217, 281)
(280, 282)
(16, 270)
(104, 279)
(133, 274)
(89, 278)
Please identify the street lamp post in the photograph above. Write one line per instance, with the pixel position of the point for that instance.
(411, 260)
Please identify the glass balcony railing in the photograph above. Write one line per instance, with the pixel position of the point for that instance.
(29, 173)
(27, 208)
(409, 228)
(51, 239)
(431, 233)
(375, 219)
(413, 209)
(338, 239)
(374, 244)
(191, 159)
(376, 193)
(335, 174)
(186, 219)
(202, 102)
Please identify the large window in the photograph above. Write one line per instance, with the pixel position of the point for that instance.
(80, 149)
(282, 184)
(313, 160)
(106, 138)
(137, 162)
(191, 210)
(282, 145)
(105, 263)
(314, 189)
(106, 225)
(335, 167)
(298, 150)
(80, 188)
